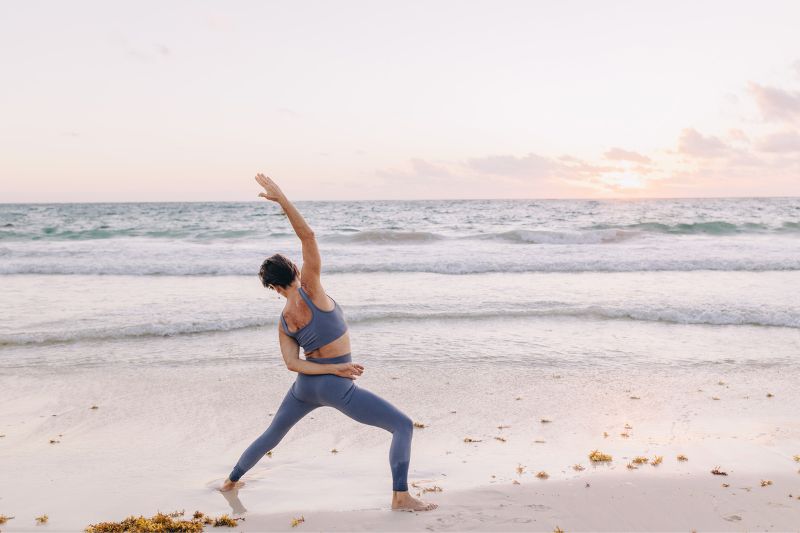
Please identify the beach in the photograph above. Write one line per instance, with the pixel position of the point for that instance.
(138, 358)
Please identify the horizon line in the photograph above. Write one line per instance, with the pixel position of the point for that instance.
(551, 199)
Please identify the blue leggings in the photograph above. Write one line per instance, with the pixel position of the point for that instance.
(311, 391)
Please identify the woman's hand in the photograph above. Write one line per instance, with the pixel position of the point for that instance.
(271, 189)
(348, 370)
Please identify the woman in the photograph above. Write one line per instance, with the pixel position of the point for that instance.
(313, 321)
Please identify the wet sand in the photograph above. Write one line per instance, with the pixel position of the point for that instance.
(163, 437)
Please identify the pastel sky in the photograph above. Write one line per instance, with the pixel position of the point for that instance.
(187, 100)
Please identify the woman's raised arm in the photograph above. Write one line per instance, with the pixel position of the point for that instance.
(312, 261)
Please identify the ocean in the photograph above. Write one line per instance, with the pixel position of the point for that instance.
(420, 278)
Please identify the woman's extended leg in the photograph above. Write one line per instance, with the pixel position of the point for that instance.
(289, 413)
(368, 408)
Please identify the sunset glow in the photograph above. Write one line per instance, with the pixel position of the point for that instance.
(364, 100)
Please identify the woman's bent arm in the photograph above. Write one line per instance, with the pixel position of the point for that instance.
(291, 356)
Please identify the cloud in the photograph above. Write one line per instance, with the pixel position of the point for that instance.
(528, 166)
(286, 112)
(695, 144)
(148, 54)
(786, 141)
(738, 135)
(421, 170)
(618, 154)
(422, 167)
(776, 104)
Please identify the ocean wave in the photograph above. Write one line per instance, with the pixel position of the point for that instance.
(140, 330)
(715, 227)
(698, 316)
(54, 233)
(45, 264)
(597, 236)
(384, 237)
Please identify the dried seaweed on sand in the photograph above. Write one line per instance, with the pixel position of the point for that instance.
(163, 523)
(597, 456)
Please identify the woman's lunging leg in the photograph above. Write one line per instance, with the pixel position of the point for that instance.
(368, 408)
(289, 413)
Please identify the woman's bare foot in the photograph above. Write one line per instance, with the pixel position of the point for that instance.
(403, 501)
(230, 485)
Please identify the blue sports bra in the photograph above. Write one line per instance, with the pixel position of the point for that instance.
(323, 328)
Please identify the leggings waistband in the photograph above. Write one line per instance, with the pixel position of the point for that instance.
(346, 358)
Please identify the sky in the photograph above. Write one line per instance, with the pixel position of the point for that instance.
(188, 100)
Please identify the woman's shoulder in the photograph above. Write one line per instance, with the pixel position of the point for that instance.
(316, 293)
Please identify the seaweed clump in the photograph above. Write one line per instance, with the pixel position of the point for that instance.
(163, 523)
(225, 521)
(597, 456)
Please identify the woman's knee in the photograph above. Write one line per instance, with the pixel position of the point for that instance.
(404, 424)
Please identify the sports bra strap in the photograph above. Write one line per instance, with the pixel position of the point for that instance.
(307, 299)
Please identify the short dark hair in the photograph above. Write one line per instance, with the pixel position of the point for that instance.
(277, 270)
